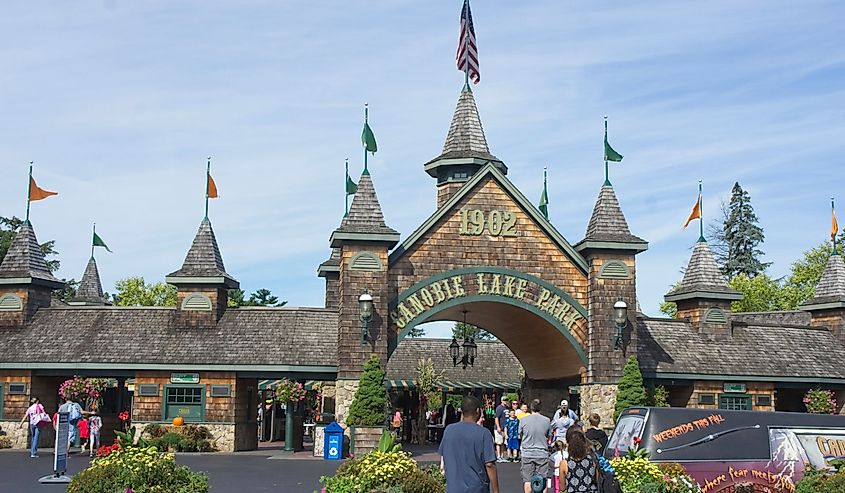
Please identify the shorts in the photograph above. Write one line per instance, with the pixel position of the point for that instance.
(498, 438)
(534, 467)
(513, 443)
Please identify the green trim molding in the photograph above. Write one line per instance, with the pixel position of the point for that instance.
(339, 237)
(706, 295)
(742, 378)
(188, 419)
(520, 199)
(634, 246)
(31, 365)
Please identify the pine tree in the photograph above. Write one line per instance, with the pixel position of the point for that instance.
(742, 236)
(631, 391)
(368, 406)
(462, 331)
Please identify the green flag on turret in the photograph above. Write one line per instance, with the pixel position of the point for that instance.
(544, 198)
(351, 187)
(98, 242)
(368, 139)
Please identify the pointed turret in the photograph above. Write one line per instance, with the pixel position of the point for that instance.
(465, 150)
(703, 295)
(25, 280)
(608, 229)
(202, 281)
(827, 307)
(365, 221)
(330, 271)
(90, 290)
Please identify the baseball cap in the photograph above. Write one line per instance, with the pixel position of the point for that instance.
(505, 398)
(564, 402)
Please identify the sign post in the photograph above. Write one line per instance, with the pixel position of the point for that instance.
(59, 452)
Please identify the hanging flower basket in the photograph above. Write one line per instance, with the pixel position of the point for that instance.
(85, 391)
(820, 401)
(289, 391)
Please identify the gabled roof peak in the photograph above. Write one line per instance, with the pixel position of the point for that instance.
(608, 225)
(702, 278)
(24, 259)
(204, 259)
(90, 290)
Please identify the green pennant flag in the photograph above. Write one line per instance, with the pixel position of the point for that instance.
(98, 242)
(544, 203)
(368, 139)
(609, 153)
(351, 187)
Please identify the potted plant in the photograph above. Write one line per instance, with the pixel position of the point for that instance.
(367, 413)
(289, 393)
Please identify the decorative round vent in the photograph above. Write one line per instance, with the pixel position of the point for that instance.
(614, 269)
(365, 261)
(10, 303)
(197, 302)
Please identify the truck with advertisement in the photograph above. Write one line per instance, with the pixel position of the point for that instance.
(721, 448)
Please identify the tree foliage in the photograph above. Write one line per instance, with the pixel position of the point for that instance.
(9, 227)
(368, 406)
(631, 392)
(742, 237)
(463, 331)
(134, 291)
(260, 297)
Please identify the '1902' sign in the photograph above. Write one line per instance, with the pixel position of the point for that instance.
(497, 223)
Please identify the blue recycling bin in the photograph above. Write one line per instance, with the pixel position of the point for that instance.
(333, 442)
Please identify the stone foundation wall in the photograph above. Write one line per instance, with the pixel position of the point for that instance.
(344, 395)
(365, 439)
(319, 438)
(599, 398)
(222, 434)
(19, 436)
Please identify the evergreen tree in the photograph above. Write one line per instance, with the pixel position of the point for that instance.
(631, 391)
(463, 331)
(368, 406)
(742, 236)
(416, 331)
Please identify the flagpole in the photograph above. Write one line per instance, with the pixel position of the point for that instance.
(28, 192)
(93, 235)
(366, 119)
(207, 174)
(546, 189)
(701, 214)
(833, 231)
(466, 47)
(606, 173)
(345, 182)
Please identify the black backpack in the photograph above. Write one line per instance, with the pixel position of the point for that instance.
(605, 483)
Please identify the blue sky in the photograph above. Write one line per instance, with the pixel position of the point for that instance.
(119, 103)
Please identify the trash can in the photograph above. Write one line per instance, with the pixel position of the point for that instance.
(333, 442)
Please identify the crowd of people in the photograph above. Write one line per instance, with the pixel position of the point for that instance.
(85, 425)
(556, 455)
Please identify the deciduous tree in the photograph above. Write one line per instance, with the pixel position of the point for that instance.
(463, 331)
(134, 291)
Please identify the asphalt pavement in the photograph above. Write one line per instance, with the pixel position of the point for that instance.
(244, 472)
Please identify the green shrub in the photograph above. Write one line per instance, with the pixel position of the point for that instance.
(154, 430)
(631, 390)
(427, 480)
(187, 445)
(821, 483)
(370, 400)
(144, 470)
(169, 440)
(5, 441)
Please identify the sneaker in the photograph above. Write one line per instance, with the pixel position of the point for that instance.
(501, 459)
(31, 456)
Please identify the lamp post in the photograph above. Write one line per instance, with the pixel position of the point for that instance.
(470, 349)
(365, 306)
(620, 317)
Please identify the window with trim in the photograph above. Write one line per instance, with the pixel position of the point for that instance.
(187, 401)
(735, 402)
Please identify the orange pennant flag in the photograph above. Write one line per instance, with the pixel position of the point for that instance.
(212, 188)
(696, 212)
(834, 227)
(36, 192)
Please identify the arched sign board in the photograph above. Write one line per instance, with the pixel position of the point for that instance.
(435, 294)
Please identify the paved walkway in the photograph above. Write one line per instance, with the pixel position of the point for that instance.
(238, 472)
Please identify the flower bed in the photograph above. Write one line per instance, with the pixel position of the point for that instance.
(386, 468)
(139, 469)
(636, 474)
(187, 438)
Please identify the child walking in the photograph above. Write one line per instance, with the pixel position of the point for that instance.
(512, 435)
(558, 458)
(95, 424)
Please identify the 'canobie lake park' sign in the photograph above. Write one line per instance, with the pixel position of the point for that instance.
(484, 284)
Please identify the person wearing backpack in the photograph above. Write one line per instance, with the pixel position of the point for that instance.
(37, 418)
(75, 412)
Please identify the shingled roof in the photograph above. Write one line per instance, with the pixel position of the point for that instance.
(776, 352)
(495, 363)
(466, 135)
(90, 290)
(608, 224)
(24, 259)
(702, 278)
(831, 286)
(204, 259)
(365, 216)
(137, 337)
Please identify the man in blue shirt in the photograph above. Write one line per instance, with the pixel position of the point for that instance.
(467, 456)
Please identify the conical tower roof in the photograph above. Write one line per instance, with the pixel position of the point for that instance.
(90, 290)
(831, 287)
(24, 262)
(703, 279)
(365, 220)
(204, 260)
(608, 226)
(465, 140)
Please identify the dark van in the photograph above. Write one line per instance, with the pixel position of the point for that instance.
(720, 448)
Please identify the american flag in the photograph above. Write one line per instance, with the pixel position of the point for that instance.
(467, 56)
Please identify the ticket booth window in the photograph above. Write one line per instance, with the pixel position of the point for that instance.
(735, 402)
(187, 401)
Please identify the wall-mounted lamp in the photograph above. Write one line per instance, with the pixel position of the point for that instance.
(620, 317)
(365, 306)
